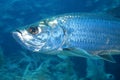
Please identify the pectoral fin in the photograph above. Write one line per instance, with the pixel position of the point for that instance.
(82, 53)
(62, 56)
(75, 52)
(107, 58)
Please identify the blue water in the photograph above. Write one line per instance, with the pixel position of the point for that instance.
(16, 63)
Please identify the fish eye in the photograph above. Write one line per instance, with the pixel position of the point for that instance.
(33, 30)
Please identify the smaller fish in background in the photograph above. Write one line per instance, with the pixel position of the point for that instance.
(74, 34)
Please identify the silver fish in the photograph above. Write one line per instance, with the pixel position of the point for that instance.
(74, 34)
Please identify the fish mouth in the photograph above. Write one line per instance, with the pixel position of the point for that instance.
(17, 35)
(19, 31)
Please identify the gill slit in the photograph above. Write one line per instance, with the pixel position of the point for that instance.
(64, 39)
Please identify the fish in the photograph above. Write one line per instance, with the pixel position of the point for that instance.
(88, 35)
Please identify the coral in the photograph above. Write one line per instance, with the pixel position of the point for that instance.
(49, 71)
(32, 67)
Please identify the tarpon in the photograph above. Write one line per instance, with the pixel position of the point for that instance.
(74, 34)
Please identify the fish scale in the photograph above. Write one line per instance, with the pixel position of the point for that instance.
(91, 32)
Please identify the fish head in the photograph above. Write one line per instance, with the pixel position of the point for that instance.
(43, 36)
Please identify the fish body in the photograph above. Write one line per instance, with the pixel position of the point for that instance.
(74, 34)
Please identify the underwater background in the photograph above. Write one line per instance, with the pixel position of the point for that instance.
(16, 63)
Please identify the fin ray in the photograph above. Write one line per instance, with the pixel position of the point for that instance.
(107, 58)
(77, 52)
